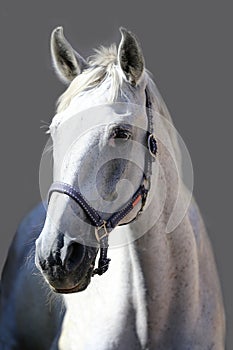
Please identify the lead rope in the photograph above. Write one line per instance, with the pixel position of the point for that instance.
(104, 261)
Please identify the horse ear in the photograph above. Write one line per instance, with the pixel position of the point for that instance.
(67, 62)
(130, 57)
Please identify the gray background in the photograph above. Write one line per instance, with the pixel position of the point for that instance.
(187, 46)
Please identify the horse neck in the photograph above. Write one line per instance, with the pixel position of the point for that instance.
(168, 262)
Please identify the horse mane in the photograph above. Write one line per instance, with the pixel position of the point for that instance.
(102, 65)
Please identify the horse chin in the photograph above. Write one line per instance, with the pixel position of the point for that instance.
(79, 287)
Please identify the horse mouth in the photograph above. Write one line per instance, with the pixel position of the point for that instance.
(68, 290)
(79, 287)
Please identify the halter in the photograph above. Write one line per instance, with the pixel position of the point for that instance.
(104, 227)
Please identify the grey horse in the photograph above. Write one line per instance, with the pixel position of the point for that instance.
(161, 290)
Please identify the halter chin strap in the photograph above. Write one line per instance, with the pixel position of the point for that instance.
(104, 227)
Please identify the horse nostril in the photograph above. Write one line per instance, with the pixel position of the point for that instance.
(39, 261)
(41, 264)
(75, 255)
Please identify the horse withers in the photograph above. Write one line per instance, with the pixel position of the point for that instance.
(117, 198)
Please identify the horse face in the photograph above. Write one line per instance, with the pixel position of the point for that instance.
(99, 151)
(106, 164)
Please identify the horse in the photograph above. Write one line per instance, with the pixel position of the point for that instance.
(116, 173)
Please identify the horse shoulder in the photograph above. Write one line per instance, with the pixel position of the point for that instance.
(28, 309)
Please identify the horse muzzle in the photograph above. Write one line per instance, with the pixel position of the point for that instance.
(67, 269)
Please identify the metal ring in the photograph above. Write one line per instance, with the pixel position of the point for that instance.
(98, 228)
(151, 136)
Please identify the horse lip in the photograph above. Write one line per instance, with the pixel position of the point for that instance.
(67, 290)
(79, 287)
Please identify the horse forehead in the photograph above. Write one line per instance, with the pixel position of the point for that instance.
(96, 97)
(102, 95)
(82, 130)
(82, 117)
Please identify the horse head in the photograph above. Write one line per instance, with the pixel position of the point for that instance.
(100, 126)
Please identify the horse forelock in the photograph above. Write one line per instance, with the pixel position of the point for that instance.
(102, 65)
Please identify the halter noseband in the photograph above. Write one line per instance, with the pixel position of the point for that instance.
(104, 227)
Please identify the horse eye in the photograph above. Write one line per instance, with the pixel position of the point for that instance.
(122, 134)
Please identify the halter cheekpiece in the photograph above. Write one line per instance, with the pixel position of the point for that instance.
(104, 227)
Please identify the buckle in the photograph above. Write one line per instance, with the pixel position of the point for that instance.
(98, 236)
(152, 145)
